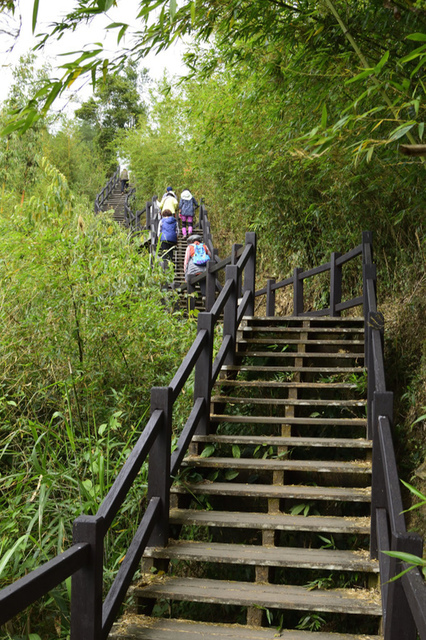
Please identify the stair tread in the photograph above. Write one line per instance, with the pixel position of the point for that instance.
(290, 441)
(218, 417)
(285, 367)
(358, 601)
(285, 385)
(346, 494)
(289, 401)
(306, 318)
(267, 329)
(146, 628)
(271, 464)
(346, 343)
(300, 354)
(266, 556)
(269, 521)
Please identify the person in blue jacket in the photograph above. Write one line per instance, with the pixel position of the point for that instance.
(167, 234)
(187, 206)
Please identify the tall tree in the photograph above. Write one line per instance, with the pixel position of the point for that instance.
(116, 105)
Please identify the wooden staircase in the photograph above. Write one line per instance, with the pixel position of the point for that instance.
(270, 521)
(116, 201)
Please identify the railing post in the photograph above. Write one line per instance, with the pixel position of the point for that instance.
(250, 272)
(367, 264)
(159, 464)
(210, 285)
(148, 214)
(297, 292)
(375, 321)
(335, 284)
(203, 371)
(230, 312)
(86, 583)
(399, 623)
(270, 298)
(234, 260)
(382, 406)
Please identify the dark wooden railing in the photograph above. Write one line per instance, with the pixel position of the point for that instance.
(92, 618)
(403, 599)
(104, 194)
(334, 266)
(132, 216)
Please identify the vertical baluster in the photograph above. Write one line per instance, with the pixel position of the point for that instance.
(86, 583)
(250, 272)
(159, 464)
(230, 312)
(270, 298)
(297, 292)
(203, 371)
(335, 284)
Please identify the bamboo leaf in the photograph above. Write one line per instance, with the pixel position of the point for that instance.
(413, 54)
(382, 63)
(35, 13)
(419, 37)
(361, 76)
(207, 451)
(324, 116)
(172, 10)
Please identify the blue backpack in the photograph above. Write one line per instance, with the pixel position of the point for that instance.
(200, 255)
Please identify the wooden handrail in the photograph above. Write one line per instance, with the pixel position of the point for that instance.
(403, 599)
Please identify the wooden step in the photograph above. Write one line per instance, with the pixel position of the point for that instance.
(273, 384)
(146, 628)
(270, 522)
(272, 341)
(306, 318)
(271, 596)
(301, 354)
(354, 422)
(286, 441)
(291, 369)
(266, 556)
(294, 492)
(360, 467)
(288, 402)
(267, 329)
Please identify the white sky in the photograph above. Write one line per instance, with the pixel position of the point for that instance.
(52, 11)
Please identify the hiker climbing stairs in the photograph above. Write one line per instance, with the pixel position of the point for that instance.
(270, 515)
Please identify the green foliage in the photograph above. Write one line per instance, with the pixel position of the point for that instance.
(82, 314)
(116, 105)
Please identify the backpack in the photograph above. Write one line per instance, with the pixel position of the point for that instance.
(200, 255)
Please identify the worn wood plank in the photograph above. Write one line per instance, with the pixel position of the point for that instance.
(332, 330)
(288, 401)
(312, 355)
(354, 601)
(360, 467)
(288, 368)
(351, 422)
(345, 343)
(273, 384)
(267, 521)
(266, 556)
(145, 628)
(297, 492)
(299, 319)
(287, 441)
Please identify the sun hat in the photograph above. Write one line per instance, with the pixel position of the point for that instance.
(186, 195)
(194, 238)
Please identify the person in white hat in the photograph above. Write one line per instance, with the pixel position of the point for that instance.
(187, 206)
